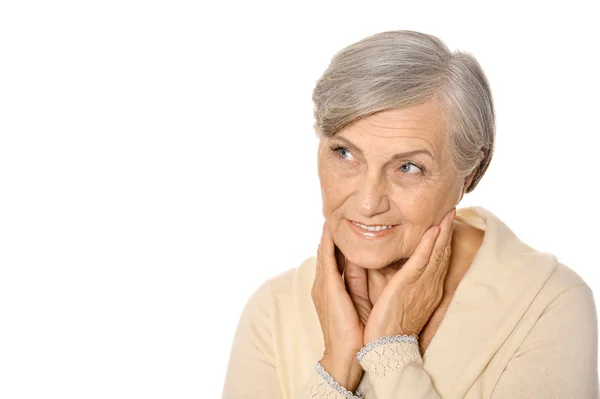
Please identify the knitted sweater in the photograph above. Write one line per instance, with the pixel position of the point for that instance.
(520, 325)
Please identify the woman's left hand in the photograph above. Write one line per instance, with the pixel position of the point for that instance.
(412, 294)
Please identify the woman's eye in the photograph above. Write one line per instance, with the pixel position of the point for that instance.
(406, 168)
(344, 153)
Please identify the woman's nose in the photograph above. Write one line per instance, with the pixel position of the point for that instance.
(373, 198)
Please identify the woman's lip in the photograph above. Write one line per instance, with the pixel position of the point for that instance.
(370, 235)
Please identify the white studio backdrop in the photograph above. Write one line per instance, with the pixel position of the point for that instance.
(157, 163)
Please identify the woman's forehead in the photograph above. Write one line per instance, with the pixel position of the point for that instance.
(419, 125)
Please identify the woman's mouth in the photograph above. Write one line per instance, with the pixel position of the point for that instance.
(370, 232)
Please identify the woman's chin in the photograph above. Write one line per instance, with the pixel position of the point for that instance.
(368, 260)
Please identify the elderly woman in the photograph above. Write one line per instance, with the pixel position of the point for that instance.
(407, 296)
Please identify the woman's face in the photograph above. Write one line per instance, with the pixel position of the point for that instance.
(392, 168)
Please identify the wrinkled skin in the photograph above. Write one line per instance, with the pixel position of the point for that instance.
(392, 168)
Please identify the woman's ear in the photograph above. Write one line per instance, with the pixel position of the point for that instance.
(466, 184)
(462, 193)
(471, 176)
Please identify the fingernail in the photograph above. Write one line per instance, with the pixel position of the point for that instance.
(436, 231)
(453, 214)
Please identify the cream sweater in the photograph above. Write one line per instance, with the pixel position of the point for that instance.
(520, 325)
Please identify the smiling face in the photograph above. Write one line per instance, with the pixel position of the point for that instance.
(392, 168)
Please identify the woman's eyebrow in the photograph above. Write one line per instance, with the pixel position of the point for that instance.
(411, 153)
(348, 143)
(394, 157)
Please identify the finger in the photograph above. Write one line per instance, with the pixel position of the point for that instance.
(440, 254)
(418, 261)
(376, 283)
(340, 260)
(317, 282)
(329, 265)
(355, 278)
(318, 262)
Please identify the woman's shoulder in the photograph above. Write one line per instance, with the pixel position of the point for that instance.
(281, 302)
(283, 286)
(562, 280)
(565, 292)
(566, 277)
(293, 279)
(568, 303)
(509, 261)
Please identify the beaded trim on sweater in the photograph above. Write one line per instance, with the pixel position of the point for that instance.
(385, 340)
(335, 385)
(388, 354)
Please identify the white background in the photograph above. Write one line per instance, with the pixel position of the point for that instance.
(157, 163)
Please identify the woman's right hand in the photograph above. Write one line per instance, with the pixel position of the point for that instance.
(342, 327)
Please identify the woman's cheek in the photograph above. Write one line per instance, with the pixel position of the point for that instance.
(331, 183)
(331, 200)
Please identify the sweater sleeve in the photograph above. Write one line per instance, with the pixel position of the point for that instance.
(317, 388)
(251, 371)
(559, 357)
(395, 370)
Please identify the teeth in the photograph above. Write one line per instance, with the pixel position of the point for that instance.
(372, 228)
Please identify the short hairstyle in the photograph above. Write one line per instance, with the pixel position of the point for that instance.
(396, 69)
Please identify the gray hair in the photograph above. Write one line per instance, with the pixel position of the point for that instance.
(401, 68)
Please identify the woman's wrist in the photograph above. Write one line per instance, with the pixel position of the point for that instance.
(345, 371)
(390, 339)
